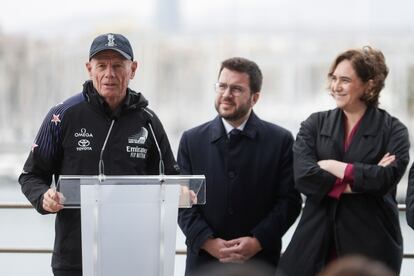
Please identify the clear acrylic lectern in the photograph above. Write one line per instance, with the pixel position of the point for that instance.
(129, 223)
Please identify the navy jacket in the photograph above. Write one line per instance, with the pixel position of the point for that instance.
(250, 188)
(365, 222)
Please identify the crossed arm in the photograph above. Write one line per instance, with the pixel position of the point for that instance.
(337, 168)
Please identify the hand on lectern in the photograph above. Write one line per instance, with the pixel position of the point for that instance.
(52, 201)
(187, 197)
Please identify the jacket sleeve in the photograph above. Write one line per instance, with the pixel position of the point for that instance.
(287, 204)
(378, 180)
(409, 200)
(43, 162)
(190, 220)
(310, 179)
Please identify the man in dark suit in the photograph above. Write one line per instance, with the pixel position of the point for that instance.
(251, 200)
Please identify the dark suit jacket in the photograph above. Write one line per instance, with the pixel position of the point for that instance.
(250, 188)
(409, 199)
(365, 222)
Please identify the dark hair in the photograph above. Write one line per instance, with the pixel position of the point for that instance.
(243, 65)
(369, 64)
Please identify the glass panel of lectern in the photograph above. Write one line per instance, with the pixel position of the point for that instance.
(129, 223)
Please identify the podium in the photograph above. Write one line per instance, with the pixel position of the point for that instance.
(129, 223)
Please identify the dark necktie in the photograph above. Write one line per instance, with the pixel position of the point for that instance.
(234, 136)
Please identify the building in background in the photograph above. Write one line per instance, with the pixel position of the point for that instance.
(178, 55)
(179, 45)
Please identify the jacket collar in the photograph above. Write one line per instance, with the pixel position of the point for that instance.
(132, 100)
(333, 125)
(250, 129)
(371, 124)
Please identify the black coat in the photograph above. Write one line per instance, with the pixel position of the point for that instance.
(70, 143)
(409, 200)
(250, 188)
(365, 222)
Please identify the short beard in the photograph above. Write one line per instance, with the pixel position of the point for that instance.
(237, 114)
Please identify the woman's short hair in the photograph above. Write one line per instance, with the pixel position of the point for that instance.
(369, 64)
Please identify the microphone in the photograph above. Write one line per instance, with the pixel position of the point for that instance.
(162, 193)
(101, 167)
(161, 168)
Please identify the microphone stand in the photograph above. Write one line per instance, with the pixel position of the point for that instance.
(162, 205)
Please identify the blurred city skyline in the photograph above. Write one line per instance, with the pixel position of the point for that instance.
(179, 45)
(48, 18)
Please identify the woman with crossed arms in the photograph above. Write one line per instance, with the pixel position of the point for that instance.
(348, 162)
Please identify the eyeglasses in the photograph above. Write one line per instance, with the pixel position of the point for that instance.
(235, 90)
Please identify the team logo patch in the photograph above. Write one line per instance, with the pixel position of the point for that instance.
(55, 119)
(34, 145)
(83, 142)
(111, 41)
(83, 133)
(137, 152)
(140, 138)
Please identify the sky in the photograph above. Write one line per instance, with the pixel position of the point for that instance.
(46, 17)
(40, 17)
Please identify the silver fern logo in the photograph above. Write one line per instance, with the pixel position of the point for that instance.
(140, 138)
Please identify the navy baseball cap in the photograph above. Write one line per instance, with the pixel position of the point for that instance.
(111, 41)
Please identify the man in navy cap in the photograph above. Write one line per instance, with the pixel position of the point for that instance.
(106, 123)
